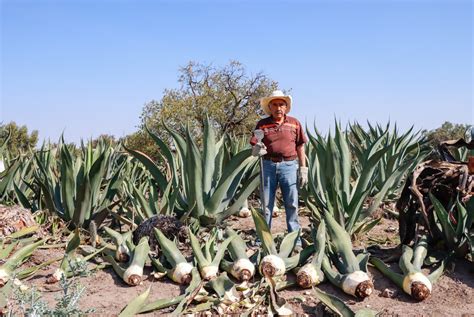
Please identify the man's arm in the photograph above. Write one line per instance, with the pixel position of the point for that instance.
(301, 155)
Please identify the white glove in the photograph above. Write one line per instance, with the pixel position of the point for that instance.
(259, 149)
(303, 176)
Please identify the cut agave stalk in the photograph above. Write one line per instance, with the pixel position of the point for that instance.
(180, 271)
(7, 269)
(276, 263)
(311, 274)
(133, 274)
(413, 281)
(241, 268)
(244, 211)
(71, 247)
(122, 253)
(351, 273)
(207, 260)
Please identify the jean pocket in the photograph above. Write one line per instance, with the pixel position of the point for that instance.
(291, 163)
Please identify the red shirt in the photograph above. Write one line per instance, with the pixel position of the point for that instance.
(281, 139)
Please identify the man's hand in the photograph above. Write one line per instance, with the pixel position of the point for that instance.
(302, 176)
(259, 149)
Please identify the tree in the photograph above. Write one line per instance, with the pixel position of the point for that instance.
(20, 140)
(141, 141)
(107, 138)
(228, 95)
(447, 131)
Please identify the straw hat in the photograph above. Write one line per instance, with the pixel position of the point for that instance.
(277, 94)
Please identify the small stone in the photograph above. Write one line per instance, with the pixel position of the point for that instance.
(307, 293)
(388, 293)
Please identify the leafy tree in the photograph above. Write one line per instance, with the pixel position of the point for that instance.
(141, 141)
(108, 138)
(228, 95)
(447, 131)
(20, 139)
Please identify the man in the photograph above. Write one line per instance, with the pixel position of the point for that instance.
(282, 148)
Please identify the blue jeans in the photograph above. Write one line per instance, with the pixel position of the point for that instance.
(284, 174)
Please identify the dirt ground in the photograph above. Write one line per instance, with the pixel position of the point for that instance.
(453, 294)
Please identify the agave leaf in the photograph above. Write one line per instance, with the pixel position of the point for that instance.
(17, 258)
(436, 274)
(151, 166)
(161, 303)
(6, 250)
(298, 259)
(198, 254)
(195, 285)
(405, 260)
(209, 154)
(22, 198)
(263, 232)
(82, 210)
(442, 216)
(23, 232)
(335, 304)
(165, 151)
(136, 305)
(221, 284)
(170, 250)
(193, 165)
(385, 270)
(363, 259)
(68, 182)
(288, 244)
(247, 188)
(220, 252)
(144, 203)
(232, 168)
(342, 243)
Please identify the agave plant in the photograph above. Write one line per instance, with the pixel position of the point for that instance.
(277, 262)
(311, 274)
(173, 262)
(413, 281)
(8, 269)
(240, 267)
(204, 183)
(342, 267)
(455, 226)
(80, 188)
(209, 256)
(8, 170)
(409, 147)
(142, 192)
(132, 274)
(333, 187)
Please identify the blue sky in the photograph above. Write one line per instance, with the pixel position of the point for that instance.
(87, 67)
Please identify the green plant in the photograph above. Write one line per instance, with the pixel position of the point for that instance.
(350, 271)
(79, 188)
(406, 149)
(204, 184)
(455, 226)
(277, 262)
(413, 281)
(335, 188)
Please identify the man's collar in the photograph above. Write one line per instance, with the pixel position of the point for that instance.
(285, 119)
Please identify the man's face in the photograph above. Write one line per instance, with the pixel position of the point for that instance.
(277, 108)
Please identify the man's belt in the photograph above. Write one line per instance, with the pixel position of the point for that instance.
(279, 158)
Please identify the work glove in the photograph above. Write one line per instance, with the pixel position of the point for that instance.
(259, 149)
(302, 176)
